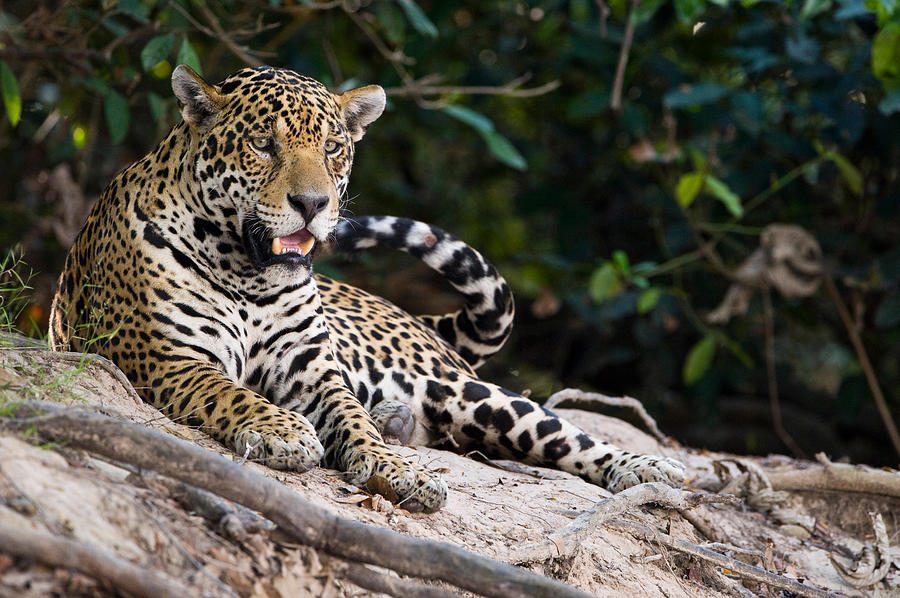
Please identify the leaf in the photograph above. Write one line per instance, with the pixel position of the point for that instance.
(157, 49)
(604, 283)
(886, 53)
(890, 103)
(812, 8)
(694, 95)
(699, 359)
(417, 18)
(477, 121)
(503, 150)
(851, 174)
(620, 258)
(187, 55)
(158, 106)
(688, 188)
(648, 300)
(720, 191)
(118, 116)
(11, 97)
(888, 312)
(689, 10)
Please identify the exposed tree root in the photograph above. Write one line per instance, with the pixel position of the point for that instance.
(580, 396)
(304, 521)
(837, 476)
(565, 540)
(733, 565)
(99, 564)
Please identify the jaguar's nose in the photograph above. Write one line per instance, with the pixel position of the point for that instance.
(308, 205)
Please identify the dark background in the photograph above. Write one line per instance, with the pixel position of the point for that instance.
(790, 105)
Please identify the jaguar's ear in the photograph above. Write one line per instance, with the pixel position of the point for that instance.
(198, 100)
(360, 108)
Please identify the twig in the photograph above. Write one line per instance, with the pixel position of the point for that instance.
(368, 579)
(565, 540)
(874, 562)
(509, 90)
(837, 477)
(97, 563)
(774, 403)
(864, 362)
(737, 567)
(303, 520)
(615, 99)
(573, 394)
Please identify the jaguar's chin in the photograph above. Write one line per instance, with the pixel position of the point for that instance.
(294, 250)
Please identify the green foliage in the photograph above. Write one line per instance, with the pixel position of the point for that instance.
(11, 98)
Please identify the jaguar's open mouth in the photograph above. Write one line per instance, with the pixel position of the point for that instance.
(294, 249)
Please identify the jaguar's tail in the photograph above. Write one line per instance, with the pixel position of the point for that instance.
(480, 328)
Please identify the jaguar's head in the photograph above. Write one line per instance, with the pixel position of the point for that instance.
(274, 149)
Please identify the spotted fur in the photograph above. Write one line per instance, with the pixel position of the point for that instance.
(175, 278)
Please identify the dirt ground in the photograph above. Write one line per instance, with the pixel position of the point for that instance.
(492, 511)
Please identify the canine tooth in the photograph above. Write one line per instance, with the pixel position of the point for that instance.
(306, 246)
(276, 246)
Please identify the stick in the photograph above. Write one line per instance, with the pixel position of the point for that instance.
(369, 579)
(615, 100)
(864, 362)
(306, 522)
(839, 477)
(564, 541)
(99, 564)
(735, 566)
(573, 394)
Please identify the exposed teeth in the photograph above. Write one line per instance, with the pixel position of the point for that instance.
(307, 246)
(276, 246)
(303, 249)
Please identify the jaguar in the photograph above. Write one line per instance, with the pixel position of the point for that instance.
(194, 274)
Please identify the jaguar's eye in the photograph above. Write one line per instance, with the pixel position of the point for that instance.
(331, 146)
(263, 144)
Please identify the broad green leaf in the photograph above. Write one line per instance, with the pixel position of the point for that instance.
(118, 116)
(694, 95)
(735, 350)
(890, 103)
(648, 300)
(886, 53)
(645, 10)
(812, 8)
(688, 10)
(503, 150)
(157, 49)
(417, 18)
(688, 188)
(604, 283)
(888, 312)
(11, 97)
(720, 191)
(620, 258)
(158, 106)
(187, 55)
(477, 121)
(850, 173)
(699, 359)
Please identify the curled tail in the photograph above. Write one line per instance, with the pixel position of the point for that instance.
(480, 328)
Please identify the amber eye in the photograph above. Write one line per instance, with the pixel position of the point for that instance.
(331, 146)
(263, 144)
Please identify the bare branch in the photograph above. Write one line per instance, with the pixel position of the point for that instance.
(510, 90)
(732, 564)
(573, 394)
(837, 477)
(615, 99)
(369, 579)
(103, 566)
(303, 520)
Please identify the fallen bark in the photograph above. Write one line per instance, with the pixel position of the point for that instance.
(105, 567)
(306, 522)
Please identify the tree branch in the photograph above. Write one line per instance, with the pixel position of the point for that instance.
(306, 522)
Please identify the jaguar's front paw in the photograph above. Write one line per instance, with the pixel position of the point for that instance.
(290, 442)
(409, 485)
(631, 470)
